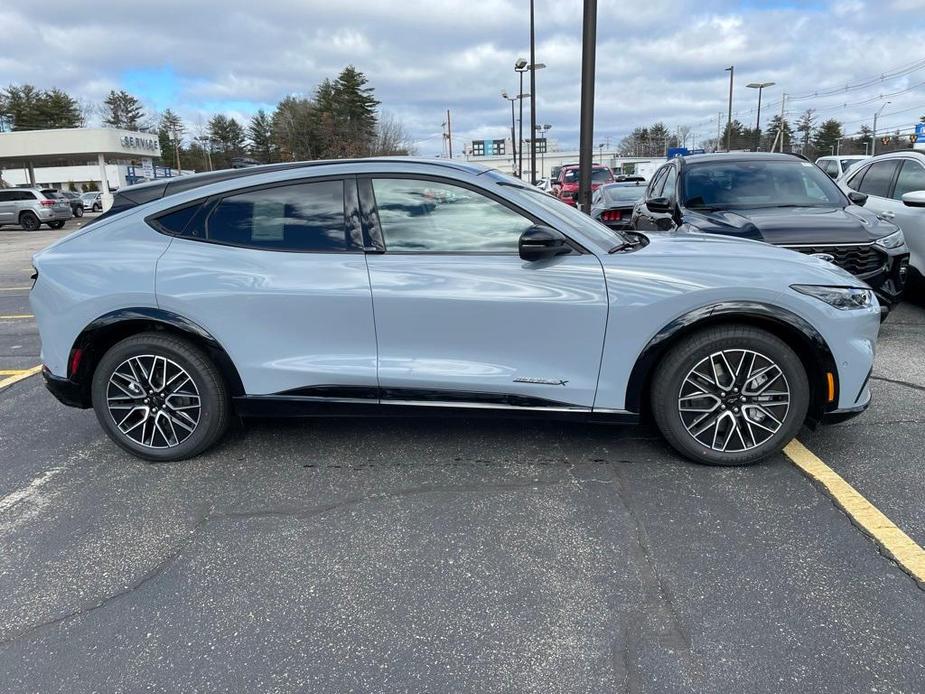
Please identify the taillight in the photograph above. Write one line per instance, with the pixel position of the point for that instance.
(612, 215)
(47, 203)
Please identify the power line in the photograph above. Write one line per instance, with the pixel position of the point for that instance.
(882, 77)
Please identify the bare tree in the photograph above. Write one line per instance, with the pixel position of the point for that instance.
(391, 137)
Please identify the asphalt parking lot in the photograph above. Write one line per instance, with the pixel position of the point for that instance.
(449, 555)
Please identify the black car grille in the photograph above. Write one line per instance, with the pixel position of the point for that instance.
(858, 260)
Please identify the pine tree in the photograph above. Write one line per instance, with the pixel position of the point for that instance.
(122, 110)
(260, 137)
(826, 137)
(27, 108)
(170, 132)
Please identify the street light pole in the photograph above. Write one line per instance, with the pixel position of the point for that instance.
(732, 71)
(586, 136)
(532, 95)
(873, 142)
(759, 86)
(512, 99)
(520, 67)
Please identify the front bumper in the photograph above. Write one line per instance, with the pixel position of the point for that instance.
(65, 390)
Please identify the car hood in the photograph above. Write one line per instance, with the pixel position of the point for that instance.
(794, 225)
(685, 249)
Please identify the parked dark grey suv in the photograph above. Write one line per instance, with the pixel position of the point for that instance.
(783, 200)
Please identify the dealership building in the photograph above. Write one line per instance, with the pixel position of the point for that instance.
(107, 157)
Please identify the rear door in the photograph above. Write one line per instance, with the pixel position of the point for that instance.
(278, 276)
(460, 318)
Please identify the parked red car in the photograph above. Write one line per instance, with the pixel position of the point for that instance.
(566, 187)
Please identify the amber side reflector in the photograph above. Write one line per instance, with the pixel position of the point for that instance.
(830, 379)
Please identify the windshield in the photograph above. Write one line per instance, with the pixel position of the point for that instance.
(571, 216)
(743, 184)
(597, 176)
(616, 194)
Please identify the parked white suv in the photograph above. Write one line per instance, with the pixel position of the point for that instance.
(837, 165)
(30, 208)
(895, 187)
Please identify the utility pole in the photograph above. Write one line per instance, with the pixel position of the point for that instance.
(513, 132)
(719, 131)
(873, 141)
(780, 130)
(588, 57)
(449, 134)
(732, 71)
(176, 146)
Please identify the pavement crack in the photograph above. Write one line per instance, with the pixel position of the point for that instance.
(299, 513)
(907, 384)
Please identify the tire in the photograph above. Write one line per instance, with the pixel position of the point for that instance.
(726, 421)
(97, 208)
(29, 222)
(168, 435)
(78, 211)
(56, 225)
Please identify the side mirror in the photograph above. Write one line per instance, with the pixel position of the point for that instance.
(542, 242)
(915, 198)
(857, 198)
(659, 205)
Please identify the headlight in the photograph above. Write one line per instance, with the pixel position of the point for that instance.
(844, 298)
(894, 240)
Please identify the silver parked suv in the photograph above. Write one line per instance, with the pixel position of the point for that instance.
(30, 208)
(394, 285)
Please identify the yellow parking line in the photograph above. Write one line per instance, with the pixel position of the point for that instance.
(14, 317)
(22, 375)
(893, 541)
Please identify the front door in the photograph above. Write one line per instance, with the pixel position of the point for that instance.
(460, 318)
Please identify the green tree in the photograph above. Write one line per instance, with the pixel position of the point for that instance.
(227, 138)
(826, 137)
(771, 134)
(260, 137)
(296, 130)
(122, 110)
(24, 107)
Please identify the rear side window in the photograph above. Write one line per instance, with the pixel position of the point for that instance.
(877, 178)
(176, 221)
(911, 178)
(302, 217)
(7, 195)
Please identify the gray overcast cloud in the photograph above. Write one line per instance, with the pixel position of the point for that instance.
(657, 60)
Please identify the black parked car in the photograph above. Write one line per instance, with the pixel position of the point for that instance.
(612, 204)
(783, 200)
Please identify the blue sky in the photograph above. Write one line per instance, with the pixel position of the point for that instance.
(657, 59)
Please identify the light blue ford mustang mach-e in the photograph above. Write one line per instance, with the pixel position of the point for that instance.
(390, 285)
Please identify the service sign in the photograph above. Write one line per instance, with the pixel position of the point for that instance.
(140, 141)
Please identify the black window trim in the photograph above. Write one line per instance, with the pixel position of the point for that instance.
(209, 203)
(373, 227)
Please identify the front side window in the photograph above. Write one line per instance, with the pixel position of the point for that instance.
(655, 186)
(419, 216)
(911, 178)
(300, 217)
(877, 178)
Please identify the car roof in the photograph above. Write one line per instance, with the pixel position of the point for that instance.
(624, 184)
(738, 156)
(154, 190)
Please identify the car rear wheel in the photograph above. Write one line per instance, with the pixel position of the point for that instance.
(160, 397)
(730, 395)
(29, 222)
(56, 225)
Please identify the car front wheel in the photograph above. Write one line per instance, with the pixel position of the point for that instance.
(160, 397)
(730, 395)
(78, 212)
